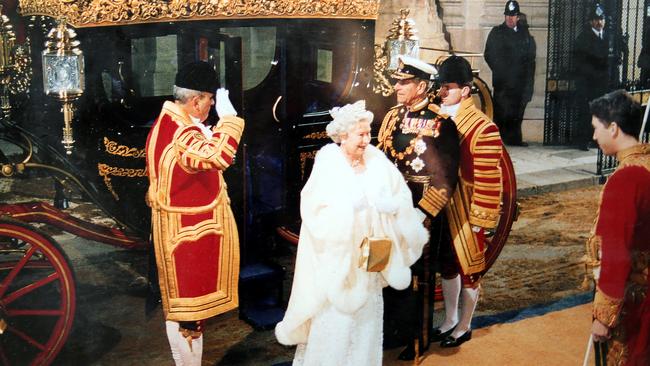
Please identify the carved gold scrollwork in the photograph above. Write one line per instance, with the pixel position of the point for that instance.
(114, 148)
(303, 161)
(317, 135)
(90, 13)
(106, 171)
(381, 83)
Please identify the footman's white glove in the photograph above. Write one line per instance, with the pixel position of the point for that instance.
(223, 106)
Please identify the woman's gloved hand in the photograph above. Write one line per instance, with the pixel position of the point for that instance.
(386, 204)
(223, 106)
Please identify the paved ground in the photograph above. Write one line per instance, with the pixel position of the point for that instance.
(542, 169)
(542, 262)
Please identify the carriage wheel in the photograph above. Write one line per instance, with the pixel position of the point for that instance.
(483, 97)
(37, 296)
(509, 211)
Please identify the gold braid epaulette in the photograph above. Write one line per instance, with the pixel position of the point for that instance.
(436, 109)
(387, 126)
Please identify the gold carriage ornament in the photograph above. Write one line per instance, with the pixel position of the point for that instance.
(63, 73)
(401, 40)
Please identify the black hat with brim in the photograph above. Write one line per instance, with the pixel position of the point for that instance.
(199, 76)
(455, 69)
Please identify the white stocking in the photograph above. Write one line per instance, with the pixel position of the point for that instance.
(470, 298)
(450, 292)
(181, 352)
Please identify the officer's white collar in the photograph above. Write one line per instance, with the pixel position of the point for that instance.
(450, 110)
(206, 131)
(597, 32)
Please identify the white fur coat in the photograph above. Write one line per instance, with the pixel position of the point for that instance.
(338, 209)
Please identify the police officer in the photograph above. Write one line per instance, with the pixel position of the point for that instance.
(510, 53)
(591, 60)
(424, 146)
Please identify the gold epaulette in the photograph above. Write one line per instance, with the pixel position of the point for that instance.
(436, 109)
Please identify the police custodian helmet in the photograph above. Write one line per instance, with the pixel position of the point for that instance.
(512, 8)
(597, 11)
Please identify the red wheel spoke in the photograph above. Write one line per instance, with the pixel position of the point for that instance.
(38, 312)
(29, 288)
(26, 338)
(35, 264)
(14, 272)
(37, 290)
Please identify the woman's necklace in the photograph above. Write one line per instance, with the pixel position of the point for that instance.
(357, 164)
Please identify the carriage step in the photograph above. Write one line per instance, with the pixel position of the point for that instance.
(262, 319)
(260, 295)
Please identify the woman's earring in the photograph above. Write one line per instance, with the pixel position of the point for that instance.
(343, 141)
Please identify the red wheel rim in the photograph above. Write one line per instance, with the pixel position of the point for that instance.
(37, 296)
(508, 211)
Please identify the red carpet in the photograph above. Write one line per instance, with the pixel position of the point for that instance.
(557, 338)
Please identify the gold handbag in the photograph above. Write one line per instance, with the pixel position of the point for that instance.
(375, 253)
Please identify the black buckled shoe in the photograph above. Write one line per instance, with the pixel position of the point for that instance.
(455, 342)
(407, 354)
(437, 335)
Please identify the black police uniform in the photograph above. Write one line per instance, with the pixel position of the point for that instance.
(511, 57)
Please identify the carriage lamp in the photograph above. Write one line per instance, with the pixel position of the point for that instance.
(63, 74)
(401, 40)
(7, 41)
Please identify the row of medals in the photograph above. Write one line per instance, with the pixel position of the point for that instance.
(421, 127)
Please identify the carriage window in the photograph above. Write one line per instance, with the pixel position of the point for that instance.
(324, 65)
(155, 63)
(258, 52)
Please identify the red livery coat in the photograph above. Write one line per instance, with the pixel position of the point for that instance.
(477, 200)
(623, 232)
(194, 231)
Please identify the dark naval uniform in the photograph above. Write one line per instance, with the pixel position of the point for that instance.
(424, 146)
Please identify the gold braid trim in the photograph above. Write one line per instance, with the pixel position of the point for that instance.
(387, 127)
(606, 309)
(433, 200)
(483, 217)
(231, 126)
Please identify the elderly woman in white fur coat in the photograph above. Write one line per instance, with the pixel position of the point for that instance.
(335, 311)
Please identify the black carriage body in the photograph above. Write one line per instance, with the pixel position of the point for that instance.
(283, 76)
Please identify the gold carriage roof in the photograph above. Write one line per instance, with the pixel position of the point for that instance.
(92, 13)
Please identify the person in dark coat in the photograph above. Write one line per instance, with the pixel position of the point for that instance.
(510, 53)
(424, 145)
(591, 65)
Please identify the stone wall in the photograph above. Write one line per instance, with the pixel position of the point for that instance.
(465, 26)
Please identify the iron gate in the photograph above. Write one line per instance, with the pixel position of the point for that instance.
(628, 25)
